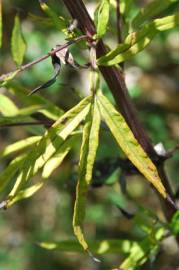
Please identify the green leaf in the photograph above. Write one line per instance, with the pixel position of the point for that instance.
(58, 157)
(0, 23)
(48, 108)
(18, 45)
(102, 17)
(24, 194)
(87, 158)
(150, 10)
(11, 170)
(142, 250)
(175, 223)
(7, 107)
(50, 143)
(59, 22)
(129, 144)
(137, 41)
(20, 145)
(98, 246)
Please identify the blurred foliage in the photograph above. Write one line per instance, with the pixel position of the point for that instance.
(120, 227)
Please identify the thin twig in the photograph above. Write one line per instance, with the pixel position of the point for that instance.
(26, 66)
(119, 22)
(45, 123)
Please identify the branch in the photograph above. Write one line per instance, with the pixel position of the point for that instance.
(116, 83)
(119, 22)
(26, 66)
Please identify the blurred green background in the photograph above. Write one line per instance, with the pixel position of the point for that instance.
(152, 80)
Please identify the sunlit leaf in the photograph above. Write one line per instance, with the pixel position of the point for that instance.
(58, 157)
(50, 143)
(24, 194)
(7, 106)
(18, 45)
(0, 23)
(87, 158)
(129, 144)
(150, 10)
(137, 41)
(102, 17)
(20, 145)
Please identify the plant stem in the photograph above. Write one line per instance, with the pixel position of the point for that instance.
(115, 79)
(42, 58)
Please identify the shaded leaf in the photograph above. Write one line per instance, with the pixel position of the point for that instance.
(18, 45)
(87, 158)
(59, 22)
(174, 225)
(129, 144)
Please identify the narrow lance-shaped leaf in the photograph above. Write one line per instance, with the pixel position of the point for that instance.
(87, 158)
(50, 143)
(102, 18)
(18, 45)
(0, 23)
(59, 22)
(129, 144)
(137, 41)
(150, 10)
(7, 106)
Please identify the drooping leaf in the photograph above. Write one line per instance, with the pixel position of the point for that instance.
(137, 41)
(18, 45)
(150, 10)
(0, 23)
(129, 144)
(50, 143)
(87, 158)
(102, 17)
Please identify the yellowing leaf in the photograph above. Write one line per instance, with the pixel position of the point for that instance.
(22, 144)
(24, 194)
(87, 158)
(18, 45)
(50, 143)
(58, 157)
(129, 144)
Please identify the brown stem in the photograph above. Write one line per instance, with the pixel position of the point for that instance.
(116, 82)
